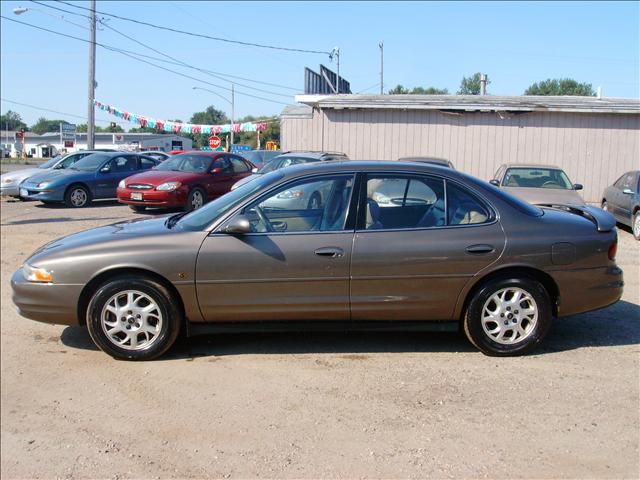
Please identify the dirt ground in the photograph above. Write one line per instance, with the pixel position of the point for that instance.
(317, 405)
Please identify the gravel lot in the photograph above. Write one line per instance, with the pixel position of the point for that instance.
(314, 405)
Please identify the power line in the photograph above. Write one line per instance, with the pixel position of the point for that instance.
(49, 110)
(135, 56)
(218, 39)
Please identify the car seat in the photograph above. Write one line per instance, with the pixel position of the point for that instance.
(434, 216)
(373, 215)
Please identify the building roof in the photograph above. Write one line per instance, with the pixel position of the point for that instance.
(468, 103)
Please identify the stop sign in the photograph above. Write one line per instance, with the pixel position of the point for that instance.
(214, 142)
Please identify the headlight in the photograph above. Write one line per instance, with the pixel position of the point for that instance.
(168, 186)
(291, 194)
(121, 184)
(7, 180)
(43, 184)
(34, 274)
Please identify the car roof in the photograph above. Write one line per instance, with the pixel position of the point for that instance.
(311, 154)
(530, 165)
(435, 160)
(346, 165)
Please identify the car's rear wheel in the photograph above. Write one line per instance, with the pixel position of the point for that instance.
(138, 208)
(77, 196)
(133, 318)
(195, 200)
(635, 225)
(508, 316)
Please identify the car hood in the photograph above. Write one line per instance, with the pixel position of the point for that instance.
(546, 195)
(53, 175)
(96, 238)
(19, 175)
(245, 180)
(157, 177)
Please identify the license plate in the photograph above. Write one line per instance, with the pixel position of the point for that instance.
(24, 192)
(136, 196)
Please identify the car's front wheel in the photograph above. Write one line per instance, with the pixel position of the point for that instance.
(77, 196)
(195, 200)
(133, 318)
(508, 316)
(635, 225)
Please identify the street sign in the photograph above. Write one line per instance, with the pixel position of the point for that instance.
(214, 142)
(67, 131)
(240, 148)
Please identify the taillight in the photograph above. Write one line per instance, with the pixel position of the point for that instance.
(613, 249)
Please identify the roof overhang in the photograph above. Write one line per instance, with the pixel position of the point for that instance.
(473, 103)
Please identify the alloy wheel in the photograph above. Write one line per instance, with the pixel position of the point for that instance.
(509, 316)
(78, 197)
(197, 200)
(131, 320)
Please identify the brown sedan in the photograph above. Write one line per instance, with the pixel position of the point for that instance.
(445, 251)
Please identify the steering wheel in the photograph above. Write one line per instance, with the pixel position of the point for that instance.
(268, 226)
(550, 183)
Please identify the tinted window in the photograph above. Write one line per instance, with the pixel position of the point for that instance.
(146, 163)
(71, 159)
(123, 164)
(224, 164)
(536, 178)
(239, 166)
(306, 206)
(463, 208)
(91, 162)
(627, 181)
(404, 202)
(283, 162)
(50, 163)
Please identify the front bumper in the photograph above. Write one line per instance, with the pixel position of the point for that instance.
(46, 302)
(11, 190)
(588, 289)
(49, 194)
(154, 198)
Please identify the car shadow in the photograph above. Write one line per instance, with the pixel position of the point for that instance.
(616, 325)
(93, 204)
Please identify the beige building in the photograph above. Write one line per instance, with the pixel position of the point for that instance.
(594, 140)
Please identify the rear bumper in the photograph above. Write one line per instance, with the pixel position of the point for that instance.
(46, 302)
(588, 289)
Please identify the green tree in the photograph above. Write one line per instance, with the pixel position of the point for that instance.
(11, 121)
(43, 126)
(82, 128)
(561, 86)
(210, 116)
(398, 90)
(471, 85)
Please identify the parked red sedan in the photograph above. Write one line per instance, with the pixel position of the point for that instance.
(187, 180)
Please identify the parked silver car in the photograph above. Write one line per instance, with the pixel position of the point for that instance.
(538, 184)
(622, 200)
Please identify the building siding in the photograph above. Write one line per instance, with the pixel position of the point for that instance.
(593, 148)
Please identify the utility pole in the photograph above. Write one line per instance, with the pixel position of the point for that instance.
(381, 45)
(338, 82)
(483, 84)
(91, 120)
(233, 102)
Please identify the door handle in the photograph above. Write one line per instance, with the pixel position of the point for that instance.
(480, 249)
(332, 252)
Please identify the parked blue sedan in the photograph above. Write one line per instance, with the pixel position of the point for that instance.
(94, 177)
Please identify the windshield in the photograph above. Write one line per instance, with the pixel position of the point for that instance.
(186, 162)
(50, 163)
(205, 216)
(90, 162)
(281, 162)
(537, 178)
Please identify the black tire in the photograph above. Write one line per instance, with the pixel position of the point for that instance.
(473, 324)
(166, 305)
(604, 206)
(315, 201)
(192, 198)
(77, 196)
(138, 208)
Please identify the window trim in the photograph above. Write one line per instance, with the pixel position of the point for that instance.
(361, 219)
(349, 220)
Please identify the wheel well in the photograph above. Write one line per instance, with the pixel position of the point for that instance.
(635, 209)
(544, 278)
(90, 288)
(79, 184)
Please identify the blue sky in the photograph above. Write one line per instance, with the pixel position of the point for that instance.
(426, 44)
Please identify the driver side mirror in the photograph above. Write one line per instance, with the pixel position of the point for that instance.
(238, 225)
(494, 182)
(216, 170)
(577, 186)
(105, 169)
(254, 170)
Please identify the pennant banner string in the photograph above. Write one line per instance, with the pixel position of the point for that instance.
(178, 127)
